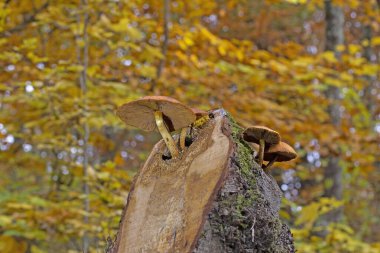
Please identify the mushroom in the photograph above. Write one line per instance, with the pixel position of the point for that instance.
(202, 117)
(256, 148)
(261, 135)
(198, 114)
(280, 152)
(160, 113)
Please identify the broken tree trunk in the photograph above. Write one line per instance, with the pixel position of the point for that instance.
(213, 198)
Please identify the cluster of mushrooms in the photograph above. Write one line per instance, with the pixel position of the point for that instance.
(270, 147)
(167, 115)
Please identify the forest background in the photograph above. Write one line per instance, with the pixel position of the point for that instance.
(306, 68)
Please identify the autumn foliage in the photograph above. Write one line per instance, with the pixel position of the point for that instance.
(67, 161)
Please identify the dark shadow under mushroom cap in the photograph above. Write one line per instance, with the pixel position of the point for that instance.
(140, 113)
(283, 151)
(255, 133)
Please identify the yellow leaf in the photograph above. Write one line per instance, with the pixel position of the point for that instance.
(370, 70)
(147, 71)
(211, 37)
(353, 49)
(134, 33)
(356, 61)
(340, 48)
(255, 62)
(375, 41)
(188, 41)
(296, 1)
(194, 60)
(278, 67)
(10, 245)
(239, 55)
(262, 55)
(303, 62)
(222, 50)
(182, 45)
(5, 220)
(346, 77)
(19, 206)
(329, 56)
(334, 82)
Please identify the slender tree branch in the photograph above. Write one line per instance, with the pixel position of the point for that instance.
(86, 130)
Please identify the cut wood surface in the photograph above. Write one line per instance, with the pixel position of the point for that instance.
(170, 198)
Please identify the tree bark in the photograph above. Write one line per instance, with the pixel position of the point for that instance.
(83, 59)
(213, 198)
(334, 17)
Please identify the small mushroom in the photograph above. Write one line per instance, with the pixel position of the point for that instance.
(261, 135)
(256, 148)
(160, 113)
(280, 152)
(198, 114)
(202, 117)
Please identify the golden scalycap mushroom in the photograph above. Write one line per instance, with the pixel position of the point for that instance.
(255, 146)
(157, 113)
(199, 113)
(140, 113)
(263, 136)
(281, 152)
(256, 133)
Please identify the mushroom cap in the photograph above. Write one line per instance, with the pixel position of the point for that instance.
(256, 133)
(199, 113)
(140, 113)
(282, 150)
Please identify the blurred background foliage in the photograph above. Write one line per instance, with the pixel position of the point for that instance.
(67, 161)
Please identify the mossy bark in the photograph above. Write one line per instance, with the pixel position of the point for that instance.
(244, 216)
(240, 213)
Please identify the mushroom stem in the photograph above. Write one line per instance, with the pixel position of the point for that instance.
(165, 134)
(261, 151)
(182, 138)
(271, 162)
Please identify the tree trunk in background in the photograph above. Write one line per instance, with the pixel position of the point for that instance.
(334, 18)
(370, 100)
(369, 97)
(214, 198)
(164, 50)
(83, 59)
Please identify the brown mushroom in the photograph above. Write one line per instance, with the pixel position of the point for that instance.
(261, 135)
(280, 152)
(256, 148)
(198, 114)
(157, 113)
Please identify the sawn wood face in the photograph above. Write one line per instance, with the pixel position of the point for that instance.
(170, 200)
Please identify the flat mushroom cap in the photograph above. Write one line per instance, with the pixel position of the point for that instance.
(140, 113)
(255, 133)
(199, 113)
(283, 151)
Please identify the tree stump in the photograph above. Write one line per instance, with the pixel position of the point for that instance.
(212, 198)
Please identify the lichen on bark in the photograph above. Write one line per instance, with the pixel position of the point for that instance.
(244, 216)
